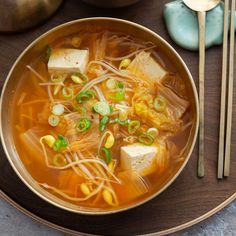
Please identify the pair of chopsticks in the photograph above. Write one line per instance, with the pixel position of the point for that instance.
(226, 129)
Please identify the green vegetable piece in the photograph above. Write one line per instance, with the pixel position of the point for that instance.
(60, 143)
(83, 125)
(153, 132)
(111, 83)
(48, 52)
(120, 95)
(160, 104)
(80, 110)
(57, 78)
(120, 85)
(111, 108)
(53, 120)
(67, 92)
(133, 126)
(59, 160)
(107, 155)
(102, 108)
(121, 122)
(85, 95)
(145, 139)
(103, 123)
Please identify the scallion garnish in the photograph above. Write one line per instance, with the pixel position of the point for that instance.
(133, 126)
(58, 109)
(103, 123)
(61, 142)
(102, 108)
(57, 78)
(153, 132)
(59, 160)
(120, 85)
(145, 139)
(120, 95)
(53, 120)
(111, 83)
(119, 121)
(159, 104)
(67, 92)
(85, 95)
(80, 110)
(83, 125)
(107, 153)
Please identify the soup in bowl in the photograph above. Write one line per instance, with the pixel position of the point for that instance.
(99, 115)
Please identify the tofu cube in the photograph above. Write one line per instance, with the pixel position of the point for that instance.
(139, 159)
(144, 66)
(68, 60)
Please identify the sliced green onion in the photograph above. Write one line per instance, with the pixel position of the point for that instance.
(103, 123)
(49, 52)
(80, 110)
(160, 104)
(67, 92)
(133, 126)
(121, 122)
(55, 78)
(59, 160)
(83, 125)
(53, 120)
(120, 95)
(120, 85)
(124, 63)
(76, 41)
(153, 132)
(60, 143)
(102, 108)
(145, 139)
(85, 95)
(107, 155)
(79, 78)
(111, 108)
(58, 109)
(111, 83)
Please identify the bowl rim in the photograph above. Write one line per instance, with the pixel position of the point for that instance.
(152, 196)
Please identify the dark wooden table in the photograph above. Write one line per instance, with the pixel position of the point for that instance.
(188, 198)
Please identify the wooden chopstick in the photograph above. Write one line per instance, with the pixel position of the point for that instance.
(230, 93)
(223, 93)
(202, 32)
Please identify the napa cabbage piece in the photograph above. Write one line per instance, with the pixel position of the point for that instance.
(176, 106)
(170, 118)
(145, 67)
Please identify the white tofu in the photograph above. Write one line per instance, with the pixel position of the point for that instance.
(139, 159)
(68, 60)
(144, 66)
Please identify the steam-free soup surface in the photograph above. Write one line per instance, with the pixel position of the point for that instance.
(101, 119)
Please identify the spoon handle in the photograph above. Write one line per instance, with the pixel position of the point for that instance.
(201, 22)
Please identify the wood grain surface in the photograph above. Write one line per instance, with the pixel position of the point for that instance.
(188, 197)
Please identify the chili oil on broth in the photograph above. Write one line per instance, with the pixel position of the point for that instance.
(116, 184)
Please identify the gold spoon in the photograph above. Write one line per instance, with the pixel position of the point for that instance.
(201, 6)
